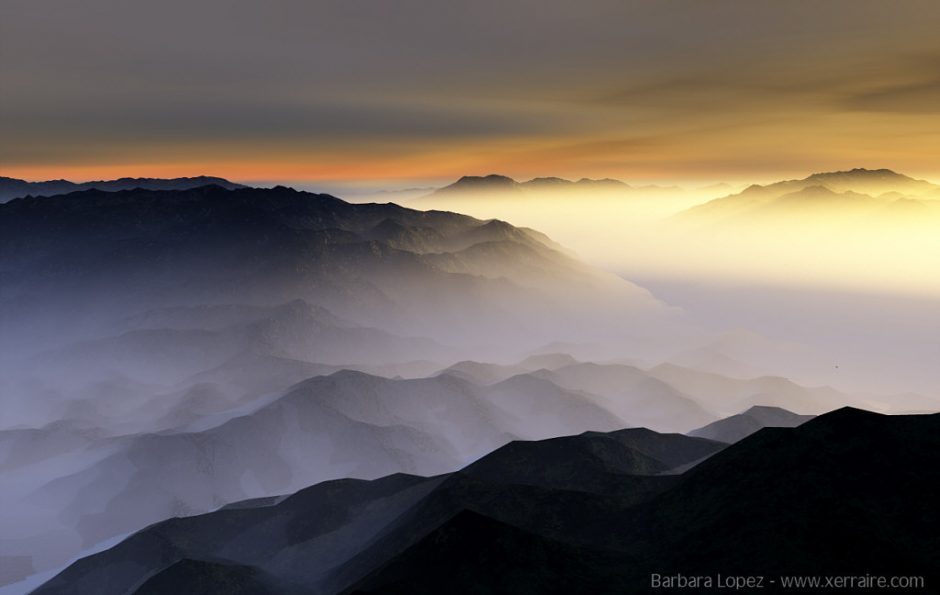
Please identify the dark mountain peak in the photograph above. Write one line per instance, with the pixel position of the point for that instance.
(202, 180)
(851, 416)
(860, 173)
(491, 182)
(497, 225)
(767, 410)
(487, 179)
(500, 183)
(737, 427)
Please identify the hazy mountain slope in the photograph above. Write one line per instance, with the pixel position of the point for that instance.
(737, 511)
(117, 254)
(666, 397)
(11, 188)
(634, 395)
(164, 367)
(348, 424)
(740, 426)
(853, 192)
(729, 395)
(153, 322)
(485, 373)
(526, 401)
(355, 520)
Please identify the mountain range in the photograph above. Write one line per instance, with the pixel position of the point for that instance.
(206, 441)
(495, 183)
(880, 192)
(11, 188)
(592, 513)
(117, 254)
(166, 353)
(146, 332)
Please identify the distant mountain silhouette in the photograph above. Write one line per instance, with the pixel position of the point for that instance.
(489, 183)
(11, 188)
(666, 397)
(498, 184)
(737, 427)
(860, 180)
(848, 190)
(552, 183)
(870, 178)
(821, 499)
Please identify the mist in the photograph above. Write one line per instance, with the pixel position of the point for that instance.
(168, 352)
(849, 276)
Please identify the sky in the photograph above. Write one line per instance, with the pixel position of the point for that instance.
(411, 92)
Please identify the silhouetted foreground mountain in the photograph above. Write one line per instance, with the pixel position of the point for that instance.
(11, 188)
(737, 427)
(848, 493)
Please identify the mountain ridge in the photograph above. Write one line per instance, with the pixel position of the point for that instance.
(740, 426)
(265, 243)
(851, 188)
(408, 529)
(13, 188)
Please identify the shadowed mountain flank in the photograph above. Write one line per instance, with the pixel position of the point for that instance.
(528, 518)
(737, 427)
